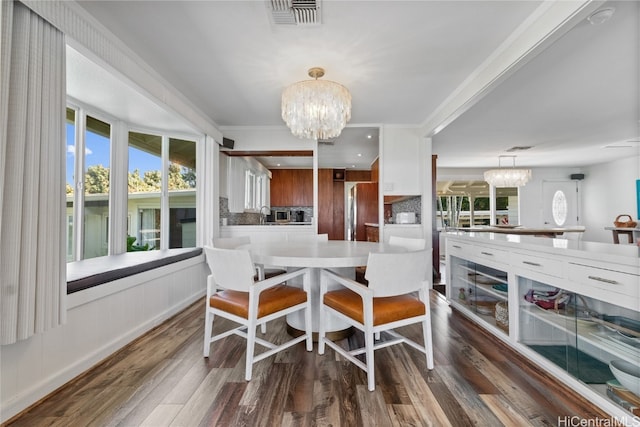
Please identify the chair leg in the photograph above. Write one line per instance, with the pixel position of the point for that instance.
(263, 328)
(251, 343)
(378, 336)
(208, 328)
(321, 328)
(428, 342)
(369, 341)
(307, 326)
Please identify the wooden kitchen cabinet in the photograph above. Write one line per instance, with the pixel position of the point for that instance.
(292, 187)
(373, 234)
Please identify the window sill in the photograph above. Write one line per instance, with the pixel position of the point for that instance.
(93, 272)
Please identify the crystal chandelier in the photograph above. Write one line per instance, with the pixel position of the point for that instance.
(316, 109)
(507, 177)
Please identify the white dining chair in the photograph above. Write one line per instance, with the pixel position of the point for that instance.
(262, 272)
(233, 294)
(410, 243)
(389, 302)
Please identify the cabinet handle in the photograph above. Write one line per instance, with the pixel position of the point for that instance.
(486, 253)
(457, 247)
(535, 264)
(601, 279)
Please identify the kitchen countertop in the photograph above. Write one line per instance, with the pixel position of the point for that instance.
(597, 251)
(269, 224)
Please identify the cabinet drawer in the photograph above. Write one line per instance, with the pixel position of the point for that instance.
(459, 249)
(491, 254)
(609, 280)
(546, 266)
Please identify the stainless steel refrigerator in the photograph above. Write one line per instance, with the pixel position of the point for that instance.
(362, 208)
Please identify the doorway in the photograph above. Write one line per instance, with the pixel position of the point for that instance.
(560, 204)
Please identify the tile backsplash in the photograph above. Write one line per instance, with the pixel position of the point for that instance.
(252, 218)
(413, 204)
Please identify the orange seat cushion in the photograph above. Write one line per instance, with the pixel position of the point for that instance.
(271, 300)
(385, 309)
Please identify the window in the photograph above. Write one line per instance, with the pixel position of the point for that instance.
(146, 182)
(88, 183)
(97, 150)
(70, 178)
(559, 208)
(145, 185)
(182, 193)
(161, 200)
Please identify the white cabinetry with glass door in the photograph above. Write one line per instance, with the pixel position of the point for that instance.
(572, 308)
(247, 184)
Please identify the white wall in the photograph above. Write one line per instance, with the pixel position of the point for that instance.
(100, 321)
(530, 196)
(609, 190)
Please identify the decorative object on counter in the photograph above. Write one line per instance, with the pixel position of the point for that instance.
(316, 109)
(628, 374)
(507, 177)
(628, 223)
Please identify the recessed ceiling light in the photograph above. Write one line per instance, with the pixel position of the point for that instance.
(278, 164)
(369, 137)
(359, 154)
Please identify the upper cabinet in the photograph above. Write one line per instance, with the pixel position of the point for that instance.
(401, 162)
(292, 187)
(248, 187)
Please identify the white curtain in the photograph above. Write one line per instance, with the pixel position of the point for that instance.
(32, 174)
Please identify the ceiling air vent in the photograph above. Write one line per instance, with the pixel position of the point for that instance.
(295, 12)
(326, 142)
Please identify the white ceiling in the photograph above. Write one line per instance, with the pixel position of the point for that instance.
(400, 60)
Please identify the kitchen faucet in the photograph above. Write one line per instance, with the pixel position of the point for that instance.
(263, 215)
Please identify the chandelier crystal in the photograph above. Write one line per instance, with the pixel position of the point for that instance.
(507, 177)
(316, 109)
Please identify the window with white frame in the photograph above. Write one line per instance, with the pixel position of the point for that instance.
(161, 207)
(87, 184)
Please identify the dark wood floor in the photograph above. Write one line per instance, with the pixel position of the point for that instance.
(162, 379)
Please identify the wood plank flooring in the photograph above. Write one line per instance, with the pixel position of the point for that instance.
(162, 379)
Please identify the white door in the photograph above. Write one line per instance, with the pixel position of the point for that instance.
(560, 203)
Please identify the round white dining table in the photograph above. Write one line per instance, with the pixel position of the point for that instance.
(341, 256)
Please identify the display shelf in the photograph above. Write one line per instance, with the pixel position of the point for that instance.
(577, 344)
(472, 288)
(585, 331)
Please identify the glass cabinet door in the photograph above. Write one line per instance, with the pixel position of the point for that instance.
(482, 289)
(596, 342)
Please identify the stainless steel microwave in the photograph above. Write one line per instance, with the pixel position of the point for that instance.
(283, 216)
